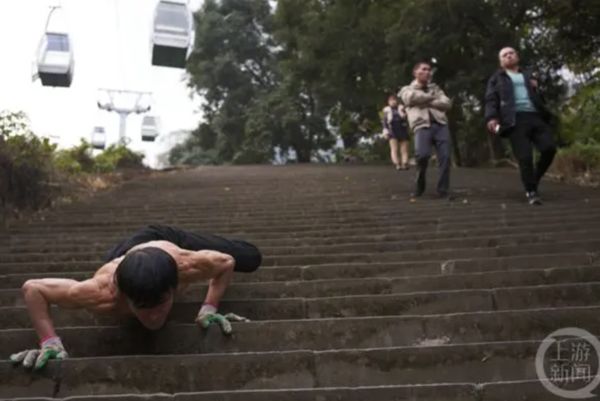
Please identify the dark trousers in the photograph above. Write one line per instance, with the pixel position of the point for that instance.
(436, 136)
(529, 131)
(247, 256)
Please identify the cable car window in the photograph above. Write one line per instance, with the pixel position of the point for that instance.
(172, 15)
(58, 42)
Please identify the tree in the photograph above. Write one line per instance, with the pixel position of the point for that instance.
(310, 70)
(231, 62)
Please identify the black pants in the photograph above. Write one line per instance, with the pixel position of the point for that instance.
(247, 256)
(530, 130)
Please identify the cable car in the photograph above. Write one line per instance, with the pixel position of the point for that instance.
(99, 138)
(149, 128)
(55, 63)
(172, 33)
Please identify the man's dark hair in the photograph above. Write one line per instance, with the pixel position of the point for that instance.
(420, 63)
(146, 275)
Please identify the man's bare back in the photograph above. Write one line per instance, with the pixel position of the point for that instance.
(192, 267)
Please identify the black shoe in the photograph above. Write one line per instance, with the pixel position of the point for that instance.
(445, 195)
(533, 198)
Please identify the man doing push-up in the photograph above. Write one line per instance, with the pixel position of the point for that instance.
(140, 278)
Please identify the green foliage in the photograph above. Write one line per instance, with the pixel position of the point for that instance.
(579, 163)
(588, 154)
(28, 163)
(77, 159)
(366, 152)
(581, 115)
(117, 157)
(25, 163)
(193, 150)
(231, 63)
(297, 76)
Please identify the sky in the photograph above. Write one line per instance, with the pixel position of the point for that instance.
(111, 44)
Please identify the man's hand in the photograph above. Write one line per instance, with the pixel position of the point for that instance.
(534, 83)
(208, 316)
(51, 348)
(492, 125)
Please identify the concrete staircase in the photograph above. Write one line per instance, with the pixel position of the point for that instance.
(362, 295)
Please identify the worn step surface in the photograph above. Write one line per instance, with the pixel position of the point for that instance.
(362, 295)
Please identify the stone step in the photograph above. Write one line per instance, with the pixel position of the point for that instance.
(529, 390)
(379, 285)
(366, 246)
(457, 221)
(332, 271)
(314, 334)
(111, 222)
(450, 364)
(395, 235)
(410, 254)
(363, 295)
(438, 227)
(438, 302)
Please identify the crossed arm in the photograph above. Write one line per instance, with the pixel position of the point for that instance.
(414, 98)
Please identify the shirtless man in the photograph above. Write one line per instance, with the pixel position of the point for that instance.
(140, 278)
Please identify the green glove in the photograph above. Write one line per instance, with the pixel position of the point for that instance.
(208, 316)
(51, 348)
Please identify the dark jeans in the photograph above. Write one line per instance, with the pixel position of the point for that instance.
(247, 257)
(529, 131)
(438, 136)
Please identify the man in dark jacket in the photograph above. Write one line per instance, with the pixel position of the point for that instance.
(515, 109)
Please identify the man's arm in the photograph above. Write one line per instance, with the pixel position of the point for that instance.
(41, 293)
(221, 267)
(492, 104)
(441, 101)
(414, 98)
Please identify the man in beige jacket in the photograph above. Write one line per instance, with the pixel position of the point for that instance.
(426, 105)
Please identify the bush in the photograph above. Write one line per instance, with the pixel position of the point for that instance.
(25, 164)
(187, 155)
(79, 159)
(28, 163)
(368, 151)
(579, 120)
(578, 158)
(117, 157)
(76, 160)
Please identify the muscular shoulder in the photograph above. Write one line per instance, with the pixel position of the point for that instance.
(205, 265)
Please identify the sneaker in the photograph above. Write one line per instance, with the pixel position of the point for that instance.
(533, 198)
(414, 196)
